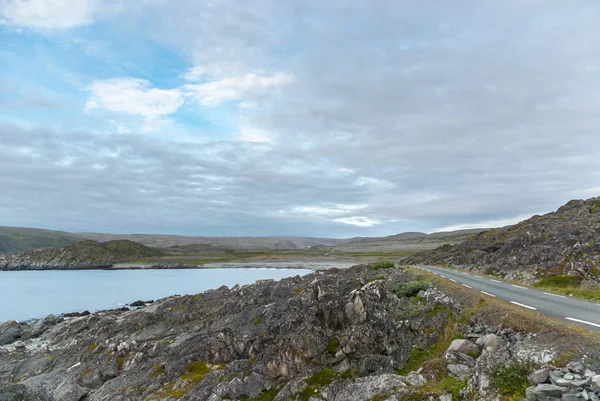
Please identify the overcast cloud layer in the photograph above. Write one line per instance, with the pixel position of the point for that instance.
(338, 118)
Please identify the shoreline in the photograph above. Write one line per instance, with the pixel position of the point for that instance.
(296, 264)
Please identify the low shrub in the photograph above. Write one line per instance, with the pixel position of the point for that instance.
(410, 289)
(381, 265)
(511, 380)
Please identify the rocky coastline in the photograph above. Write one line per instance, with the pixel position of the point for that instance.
(342, 334)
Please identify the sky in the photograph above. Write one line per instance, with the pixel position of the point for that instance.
(334, 118)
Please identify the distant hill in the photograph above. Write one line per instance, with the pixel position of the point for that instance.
(81, 255)
(16, 239)
(565, 242)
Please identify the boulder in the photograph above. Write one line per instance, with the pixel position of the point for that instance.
(10, 332)
(545, 392)
(539, 376)
(489, 341)
(459, 371)
(463, 346)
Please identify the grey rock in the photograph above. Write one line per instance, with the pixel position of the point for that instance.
(576, 367)
(415, 379)
(367, 387)
(545, 392)
(446, 397)
(463, 346)
(459, 371)
(10, 332)
(489, 341)
(539, 376)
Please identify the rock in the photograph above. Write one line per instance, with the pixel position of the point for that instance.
(459, 371)
(446, 397)
(539, 376)
(10, 332)
(576, 367)
(463, 346)
(572, 383)
(596, 380)
(544, 392)
(137, 304)
(237, 344)
(530, 249)
(489, 341)
(415, 379)
(568, 376)
(366, 388)
(69, 392)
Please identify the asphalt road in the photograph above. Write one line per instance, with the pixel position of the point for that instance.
(574, 310)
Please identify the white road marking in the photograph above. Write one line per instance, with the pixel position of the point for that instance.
(582, 321)
(487, 293)
(466, 273)
(523, 305)
(554, 295)
(518, 286)
(495, 281)
(442, 276)
(468, 286)
(453, 280)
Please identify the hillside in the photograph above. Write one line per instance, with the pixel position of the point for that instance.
(17, 239)
(81, 255)
(565, 242)
(13, 239)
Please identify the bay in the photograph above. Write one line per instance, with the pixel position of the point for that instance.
(28, 295)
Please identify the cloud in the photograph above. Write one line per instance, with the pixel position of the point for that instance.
(136, 97)
(359, 221)
(47, 14)
(236, 88)
(449, 116)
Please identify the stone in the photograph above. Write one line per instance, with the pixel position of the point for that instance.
(576, 367)
(489, 341)
(137, 304)
(463, 346)
(539, 376)
(415, 379)
(568, 376)
(446, 397)
(10, 332)
(596, 380)
(459, 371)
(545, 392)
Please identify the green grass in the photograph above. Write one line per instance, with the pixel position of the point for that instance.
(439, 386)
(333, 345)
(381, 265)
(596, 207)
(316, 383)
(196, 372)
(418, 357)
(560, 282)
(568, 285)
(511, 380)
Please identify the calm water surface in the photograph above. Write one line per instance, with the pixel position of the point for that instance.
(35, 294)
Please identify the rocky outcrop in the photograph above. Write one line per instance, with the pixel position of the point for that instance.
(332, 335)
(565, 242)
(81, 255)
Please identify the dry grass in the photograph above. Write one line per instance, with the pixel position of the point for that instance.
(566, 338)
